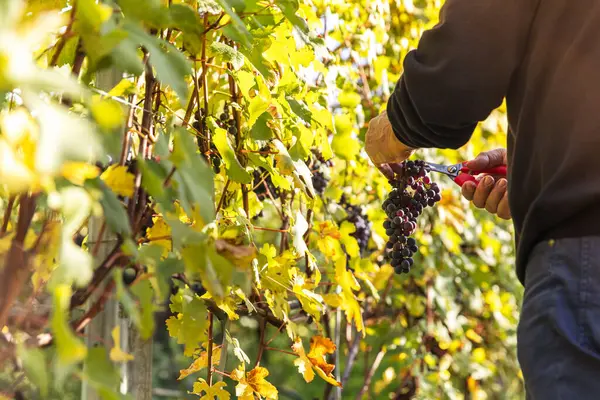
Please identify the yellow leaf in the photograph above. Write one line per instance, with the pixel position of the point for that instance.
(252, 383)
(473, 336)
(319, 348)
(201, 362)
(14, 173)
(160, 234)
(119, 180)
(108, 113)
(302, 362)
(229, 305)
(332, 300)
(348, 283)
(116, 353)
(214, 392)
(78, 172)
(479, 355)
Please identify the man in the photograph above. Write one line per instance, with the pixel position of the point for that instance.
(544, 57)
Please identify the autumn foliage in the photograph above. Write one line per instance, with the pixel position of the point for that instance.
(201, 163)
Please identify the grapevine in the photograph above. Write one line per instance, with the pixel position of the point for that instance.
(198, 169)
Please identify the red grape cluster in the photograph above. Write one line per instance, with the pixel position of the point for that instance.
(412, 192)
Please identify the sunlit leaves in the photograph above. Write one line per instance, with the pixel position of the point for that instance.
(315, 359)
(234, 168)
(119, 180)
(253, 384)
(195, 184)
(170, 64)
(214, 392)
(189, 323)
(226, 54)
(238, 30)
(202, 362)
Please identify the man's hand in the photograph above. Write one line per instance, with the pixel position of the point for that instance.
(491, 193)
(383, 147)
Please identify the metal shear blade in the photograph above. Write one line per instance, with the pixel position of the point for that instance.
(450, 170)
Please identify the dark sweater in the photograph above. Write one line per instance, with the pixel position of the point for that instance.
(544, 57)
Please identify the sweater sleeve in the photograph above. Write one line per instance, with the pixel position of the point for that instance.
(460, 71)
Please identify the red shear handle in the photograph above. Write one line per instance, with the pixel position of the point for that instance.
(468, 175)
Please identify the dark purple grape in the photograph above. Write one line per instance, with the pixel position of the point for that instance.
(387, 224)
(413, 248)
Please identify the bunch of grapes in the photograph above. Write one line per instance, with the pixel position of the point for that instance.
(224, 122)
(360, 221)
(320, 179)
(412, 191)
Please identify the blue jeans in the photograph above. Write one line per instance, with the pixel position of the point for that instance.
(559, 331)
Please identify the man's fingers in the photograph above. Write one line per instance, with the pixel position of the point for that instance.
(468, 190)
(385, 170)
(488, 159)
(503, 208)
(496, 195)
(483, 191)
(396, 167)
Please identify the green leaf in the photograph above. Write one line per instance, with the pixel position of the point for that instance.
(289, 9)
(190, 321)
(185, 18)
(258, 105)
(126, 57)
(100, 371)
(69, 349)
(260, 130)
(300, 109)
(237, 28)
(225, 53)
(114, 211)
(246, 81)
(150, 12)
(234, 169)
(143, 291)
(255, 56)
(194, 178)
(171, 65)
(35, 367)
(154, 175)
(165, 270)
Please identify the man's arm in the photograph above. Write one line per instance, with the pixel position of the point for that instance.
(460, 71)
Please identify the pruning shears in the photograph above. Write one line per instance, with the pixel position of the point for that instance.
(461, 174)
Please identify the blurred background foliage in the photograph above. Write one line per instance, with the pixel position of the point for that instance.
(228, 163)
